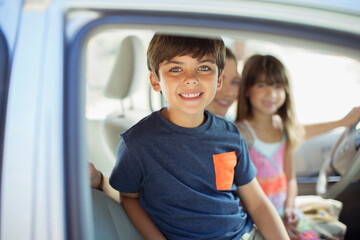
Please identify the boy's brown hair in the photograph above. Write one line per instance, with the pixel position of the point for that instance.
(165, 47)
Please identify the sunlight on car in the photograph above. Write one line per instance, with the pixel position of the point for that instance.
(325, 86)
(318, 92)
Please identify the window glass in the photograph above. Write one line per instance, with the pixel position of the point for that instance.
(325, 86)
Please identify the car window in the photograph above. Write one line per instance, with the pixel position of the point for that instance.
(315, 76)
(325, 84)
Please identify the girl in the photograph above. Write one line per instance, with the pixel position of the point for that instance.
(267, 121)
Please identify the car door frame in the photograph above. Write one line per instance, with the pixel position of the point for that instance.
(73, 113)
(10, 14)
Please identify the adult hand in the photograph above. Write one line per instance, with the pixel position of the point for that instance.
(95, 176)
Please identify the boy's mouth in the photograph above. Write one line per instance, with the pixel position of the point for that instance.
(191, 95)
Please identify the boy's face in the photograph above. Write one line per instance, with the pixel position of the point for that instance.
(188, 84)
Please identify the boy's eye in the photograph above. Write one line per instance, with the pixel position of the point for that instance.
(204, 68)
(175, 69)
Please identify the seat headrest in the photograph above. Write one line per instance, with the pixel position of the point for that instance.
(128, 70)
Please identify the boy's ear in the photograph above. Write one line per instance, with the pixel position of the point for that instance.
(154, 82)
(220, 81)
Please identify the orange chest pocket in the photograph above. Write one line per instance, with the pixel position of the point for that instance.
(224, 164)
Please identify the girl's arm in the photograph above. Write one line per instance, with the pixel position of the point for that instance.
(292, 189)
(313, 130)
(262, 211)
(139, 217)
(291, 219)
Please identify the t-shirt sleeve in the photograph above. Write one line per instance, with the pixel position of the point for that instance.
(127, 174)
(245, 170)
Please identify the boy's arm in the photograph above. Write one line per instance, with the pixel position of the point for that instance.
(139, 217)
(262, 211)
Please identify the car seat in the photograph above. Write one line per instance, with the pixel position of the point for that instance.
(110, 219)
(128, 75)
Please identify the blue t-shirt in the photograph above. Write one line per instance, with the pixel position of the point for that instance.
(186, 177)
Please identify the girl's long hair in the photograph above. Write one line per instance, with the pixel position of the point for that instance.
(275, 73)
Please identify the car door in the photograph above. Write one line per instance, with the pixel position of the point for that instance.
(32, 194)
(9, 18)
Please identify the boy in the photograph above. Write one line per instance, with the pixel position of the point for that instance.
(181, 171)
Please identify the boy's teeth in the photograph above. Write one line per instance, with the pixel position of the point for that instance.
(190, 95)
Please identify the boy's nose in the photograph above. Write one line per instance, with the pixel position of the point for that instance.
(191, 80)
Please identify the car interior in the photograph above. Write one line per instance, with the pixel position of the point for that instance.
(117, 94)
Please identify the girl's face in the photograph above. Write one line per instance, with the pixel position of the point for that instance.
(265, 98)
(229, 91)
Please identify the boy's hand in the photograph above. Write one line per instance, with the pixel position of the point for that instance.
(95, 176)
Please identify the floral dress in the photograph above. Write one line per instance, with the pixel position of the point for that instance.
(268, 159)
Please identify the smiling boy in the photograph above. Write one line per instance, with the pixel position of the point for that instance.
(182, 171)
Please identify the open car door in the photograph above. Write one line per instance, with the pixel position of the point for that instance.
(10, 13)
